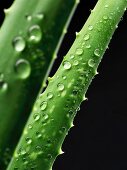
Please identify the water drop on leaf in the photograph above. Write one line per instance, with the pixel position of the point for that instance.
(86, 37)
(3, 86)
(43, 105)
(19, 44)
(40, 15)
(28, 140)
(97, 52)
(50, 95)
(35, 33)
(79, 51)
(36, 117)
(75, 62)
(60, 87)
(66, 65)
(23, 68)
(90, 27)
(91, 63)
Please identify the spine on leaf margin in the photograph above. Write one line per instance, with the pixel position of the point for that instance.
(29, 39)
(55, 109)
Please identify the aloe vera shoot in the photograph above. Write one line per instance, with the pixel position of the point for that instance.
(55, 109)
(27, 51)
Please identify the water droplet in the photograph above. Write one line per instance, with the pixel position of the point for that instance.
(49, 156)
(71, 112)
(43, 105)
(75, 62)
(39, 150)
(3, 86)
(72, 56)
(90, 27)
(49, 142)
(78, 109)
(79, 51)
(62, 130)
(97, 52)
(23, 68)
(44, 118)
(75, 92)
(86, 37)
(106, 6)
(67, 65)
(28, 140)
(50, 95)
(88, 46)
(64, 77)
(60, 87)
(105, 17)
(38, 134)
(28, 17)
(36, 117)
(116, 26)
(30, 126)
(22, 151)
(40, 16)
(35, 33)
(19, 44)
(91, 63)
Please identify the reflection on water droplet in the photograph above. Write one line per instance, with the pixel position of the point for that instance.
(38, 134)
(97, 52)
(40, 16)
(19, 44)
(35, 33)
(43, 105)
(106, 6)
(49, 156)
(88, 46)
(72, 56)
(86, 37)
(105, 17)
(23, 68)
(28, 140)
(50, 95)
(28, 17)
(44, 118)
(66, 65)
(60, 87)
(36, 117)
(64, 77)
(3, 86)
(78, 109)
(79, 51)
(90, 27)
(75, 62)
(91, 63)
(22, 151)
(30, 126)
(62, 130)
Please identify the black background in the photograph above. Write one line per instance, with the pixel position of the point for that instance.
(99, 139)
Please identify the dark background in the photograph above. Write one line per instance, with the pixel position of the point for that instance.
(99, 139)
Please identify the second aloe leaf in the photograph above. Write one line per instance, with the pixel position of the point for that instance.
(29, 40)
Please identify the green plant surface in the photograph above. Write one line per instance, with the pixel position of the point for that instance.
(29, 40)
(55, 109)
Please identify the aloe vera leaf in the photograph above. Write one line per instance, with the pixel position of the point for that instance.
(29, 40)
